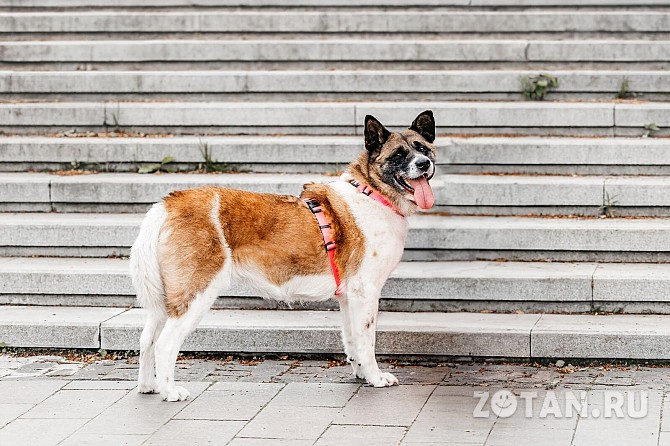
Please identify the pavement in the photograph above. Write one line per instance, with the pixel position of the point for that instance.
(73, 398)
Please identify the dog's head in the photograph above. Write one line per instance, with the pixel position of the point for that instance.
(403, 162)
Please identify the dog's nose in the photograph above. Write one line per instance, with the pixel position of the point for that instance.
(424, 164)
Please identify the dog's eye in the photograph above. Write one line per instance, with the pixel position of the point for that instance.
(398, 155)
(420, 147)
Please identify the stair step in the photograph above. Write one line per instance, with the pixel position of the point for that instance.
(433, 20)
(604, 156)
(337, 49)
(415, 286)
(334, 117)
(430, 237)
(432, 334)
(455, 193)
(321, 3)
(310, 85)
(319, 154)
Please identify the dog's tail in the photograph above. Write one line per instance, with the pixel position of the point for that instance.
(144, 266)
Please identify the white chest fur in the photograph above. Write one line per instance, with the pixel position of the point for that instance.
(384, 230)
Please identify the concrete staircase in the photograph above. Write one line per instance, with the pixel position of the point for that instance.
(548, 213)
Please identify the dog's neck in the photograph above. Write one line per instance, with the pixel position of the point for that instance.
(360, 170)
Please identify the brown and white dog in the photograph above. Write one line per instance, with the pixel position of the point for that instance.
(193, 244)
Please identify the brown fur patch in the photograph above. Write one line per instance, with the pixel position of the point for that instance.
(276, 233)
(190, 254)
(348, 237)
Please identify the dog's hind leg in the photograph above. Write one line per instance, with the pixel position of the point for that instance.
(152, 329)
(175, 331)
(363, 309)
(145, 273)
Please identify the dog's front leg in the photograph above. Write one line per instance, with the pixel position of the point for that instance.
(347, 336)
(363, 308)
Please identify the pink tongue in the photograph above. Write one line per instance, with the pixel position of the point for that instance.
(423, 194)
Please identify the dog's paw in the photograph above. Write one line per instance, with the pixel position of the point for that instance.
(143, 388)
(384, 380)
(177, 393)
(147, 387)
(358, 373)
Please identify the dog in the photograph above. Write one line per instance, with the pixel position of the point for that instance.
(195, 243)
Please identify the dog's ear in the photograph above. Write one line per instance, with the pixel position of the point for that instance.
(424, 125)
(375, 135)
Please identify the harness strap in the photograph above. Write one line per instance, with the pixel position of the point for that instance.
(329, 242)
(367, 190)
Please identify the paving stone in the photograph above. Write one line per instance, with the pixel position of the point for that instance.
(189, 432)
(443, 420)
(600, 430)
(100, 385)
(231, 401)
(288, 422)
(316, 375)
(138, 414)
(402, 404)
(269, 442)
(27, 392)
(502, 436)
(39, 432)
(315, 395)
(75, 404)
(11, 411)
(78, 439)
(355, 435)
(619, 380)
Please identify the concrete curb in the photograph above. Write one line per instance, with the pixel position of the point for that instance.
(64, 327)
(445, 334)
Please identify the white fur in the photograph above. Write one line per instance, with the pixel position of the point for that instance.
(309, 287)
(415, 172)
(144, 267)
(385, 233)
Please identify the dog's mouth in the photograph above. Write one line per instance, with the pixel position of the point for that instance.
(419, 188)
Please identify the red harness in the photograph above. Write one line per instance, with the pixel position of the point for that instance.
(327, 232)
